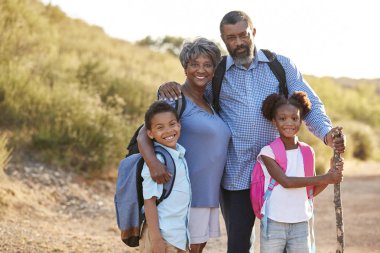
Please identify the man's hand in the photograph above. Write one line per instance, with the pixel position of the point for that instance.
(170, 90)
(337, 143)
(159, 173)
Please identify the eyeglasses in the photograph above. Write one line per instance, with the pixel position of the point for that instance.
(207, 66)
(241, 36)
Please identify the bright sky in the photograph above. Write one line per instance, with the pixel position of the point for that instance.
(323, 38)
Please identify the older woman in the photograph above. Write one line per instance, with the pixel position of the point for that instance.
(205, 137)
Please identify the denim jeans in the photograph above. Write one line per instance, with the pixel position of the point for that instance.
(294, 237)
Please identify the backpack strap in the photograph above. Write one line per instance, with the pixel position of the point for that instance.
(170, 165)
(308, 160)
(217, 82)
(180, 105)
(274, 65)
(279, 151)
(278, 71)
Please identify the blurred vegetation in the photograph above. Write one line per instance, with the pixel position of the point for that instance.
(356, 107)
(71, 96)
(169, 44)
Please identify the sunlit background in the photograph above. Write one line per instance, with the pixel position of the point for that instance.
(324, 38)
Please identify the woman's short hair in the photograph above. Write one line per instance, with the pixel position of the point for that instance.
(200, 46)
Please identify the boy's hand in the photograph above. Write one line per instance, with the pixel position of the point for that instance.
(338, 144)
(170, 90)
(158, 246)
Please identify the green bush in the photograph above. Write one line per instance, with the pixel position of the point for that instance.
(361, 140)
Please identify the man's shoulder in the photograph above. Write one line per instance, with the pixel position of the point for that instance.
(263, 58)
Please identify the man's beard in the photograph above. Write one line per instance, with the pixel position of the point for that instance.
(242, 58)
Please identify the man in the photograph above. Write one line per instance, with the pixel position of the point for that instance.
(247, 81)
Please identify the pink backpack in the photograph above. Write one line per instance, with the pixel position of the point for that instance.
(259, 194)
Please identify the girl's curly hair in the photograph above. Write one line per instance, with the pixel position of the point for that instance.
(299, 99)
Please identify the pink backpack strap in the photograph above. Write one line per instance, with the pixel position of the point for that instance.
(279, 151)
(308, 160)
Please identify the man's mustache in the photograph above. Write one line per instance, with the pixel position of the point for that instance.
(241, 47)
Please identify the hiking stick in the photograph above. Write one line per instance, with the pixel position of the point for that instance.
(338, 202)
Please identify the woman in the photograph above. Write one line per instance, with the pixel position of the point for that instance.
(205, 137)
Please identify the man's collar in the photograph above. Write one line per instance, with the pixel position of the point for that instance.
(175, 153)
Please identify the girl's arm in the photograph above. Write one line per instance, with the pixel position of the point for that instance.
(151, 215)
(157, 170)
(339, 168)
(274, 170)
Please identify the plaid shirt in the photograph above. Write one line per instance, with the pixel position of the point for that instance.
(242, 93)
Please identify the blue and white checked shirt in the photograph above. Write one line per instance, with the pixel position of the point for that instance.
(242, 93)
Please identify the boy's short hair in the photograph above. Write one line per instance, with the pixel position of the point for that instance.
(155, 108)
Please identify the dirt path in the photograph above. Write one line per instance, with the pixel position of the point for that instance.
(52, 211)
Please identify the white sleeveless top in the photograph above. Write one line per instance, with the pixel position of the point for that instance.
(289, 205)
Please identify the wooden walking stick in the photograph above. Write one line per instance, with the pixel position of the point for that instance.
(338, 202)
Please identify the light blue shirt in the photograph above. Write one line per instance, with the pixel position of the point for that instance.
(242, 93)
(173, 212)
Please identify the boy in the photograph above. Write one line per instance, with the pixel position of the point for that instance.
(166, 229)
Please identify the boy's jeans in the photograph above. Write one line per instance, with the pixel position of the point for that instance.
(294, 237)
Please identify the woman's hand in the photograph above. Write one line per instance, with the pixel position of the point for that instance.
(159, 173)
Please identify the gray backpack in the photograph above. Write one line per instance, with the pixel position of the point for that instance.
(129, 195)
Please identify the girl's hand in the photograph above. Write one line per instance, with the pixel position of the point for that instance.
(335, 175)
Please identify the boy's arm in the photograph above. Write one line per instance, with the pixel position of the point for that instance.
(332, 177)
(157, 170)
(151, 214)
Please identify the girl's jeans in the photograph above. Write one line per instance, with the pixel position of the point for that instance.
(294, 237)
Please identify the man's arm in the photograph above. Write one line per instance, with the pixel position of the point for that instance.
(274, 170)
(316, 120)
(157, 170)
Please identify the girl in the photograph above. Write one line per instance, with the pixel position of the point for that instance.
(288, 209)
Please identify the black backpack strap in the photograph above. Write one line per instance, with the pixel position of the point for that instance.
(170, 165)
(278, 71)
(132, 145)
(217, 83)
(180, 105)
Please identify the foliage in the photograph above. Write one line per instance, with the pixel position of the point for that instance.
(72, 96)
(169, 44)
